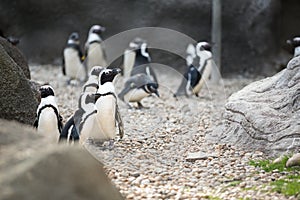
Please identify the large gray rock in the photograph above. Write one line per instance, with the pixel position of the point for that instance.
(17, 99)
(265, 114)
(16, 55)
(32, 169)
(251, 28)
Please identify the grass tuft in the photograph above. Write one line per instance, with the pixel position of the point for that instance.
(269, 166)
(288, 185)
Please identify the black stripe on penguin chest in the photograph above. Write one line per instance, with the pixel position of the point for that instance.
(55, 111)
(76, 47)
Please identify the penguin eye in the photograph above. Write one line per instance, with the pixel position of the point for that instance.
(107, 72)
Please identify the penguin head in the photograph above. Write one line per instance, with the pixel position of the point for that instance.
(46, 90)
(108, 75)
(295, 42)
(136, 43)
(73, 38)
(152, 88)
(95, 71)
(203, 46)
(97, 29)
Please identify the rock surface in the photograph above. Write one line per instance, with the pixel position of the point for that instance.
(250, 27)
(17, 101)
(16, 55)
(265, 114)
(32, 169)
(294, 160)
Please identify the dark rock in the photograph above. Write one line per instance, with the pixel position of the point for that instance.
(16, 55)
(251, 28)
(17, 100)
(30, 168)
(265, 114)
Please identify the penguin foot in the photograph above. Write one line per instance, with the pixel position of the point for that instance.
(129, 106)
(140, 106)
(111, 144)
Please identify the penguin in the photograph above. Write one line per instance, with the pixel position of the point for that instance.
(199, 63)
(48, 120)
(138, 87)
(85, 105)
(295, 42)
(100, 124)
(72, 59)
(94, 50)
(92, 83)
(130, 54)
(142, 62)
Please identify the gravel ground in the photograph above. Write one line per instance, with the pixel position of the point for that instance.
(153, 161)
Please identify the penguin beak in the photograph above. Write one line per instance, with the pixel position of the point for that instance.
(157, 94)
(116, 71)
(289, 42)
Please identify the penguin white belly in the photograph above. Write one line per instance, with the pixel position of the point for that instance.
(95, 56)
(73, 65)
(204, 77)
(104, 126)
(47, 125)
(128, 63)
(135, 95)
(87, 128)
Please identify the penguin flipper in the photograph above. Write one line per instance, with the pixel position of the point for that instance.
(60, 124)
(63, 66)
(181, 89)
(120, 122)
(65, 131)
(124, 92)
(36, 122)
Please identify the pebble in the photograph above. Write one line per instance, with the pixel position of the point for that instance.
(167, 157)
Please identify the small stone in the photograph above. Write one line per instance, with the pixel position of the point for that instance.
(200, 156)
(294, 160)
(278, 160)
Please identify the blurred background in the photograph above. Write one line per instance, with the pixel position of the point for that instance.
(254, 32)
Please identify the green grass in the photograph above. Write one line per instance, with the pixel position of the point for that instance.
(269, 166)
(234, 183)
(289, 187)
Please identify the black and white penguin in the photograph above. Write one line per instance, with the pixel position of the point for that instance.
(100, 123)
(72, 59)
(130, 54)
(94, 50)
(138, 87)
(295, 42)
(142, 62)
(85, 105)
(92, 83)
(48, 120)
(199, 70)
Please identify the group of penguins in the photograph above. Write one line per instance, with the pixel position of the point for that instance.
(97, 115)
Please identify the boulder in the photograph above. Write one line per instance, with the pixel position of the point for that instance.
(251, 32)
(18, 100)
(265, 114)
(31, 168)
(16, 55)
